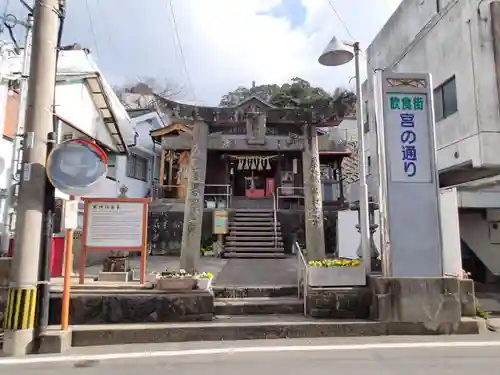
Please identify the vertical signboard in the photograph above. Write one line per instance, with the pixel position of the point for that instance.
(411, 178)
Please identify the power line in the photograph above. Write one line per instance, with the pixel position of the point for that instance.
(181, 50)
(5, 9)
(91, 23)
(340, 19)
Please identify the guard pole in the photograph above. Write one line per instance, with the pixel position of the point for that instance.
(68, 263)
(22, 300)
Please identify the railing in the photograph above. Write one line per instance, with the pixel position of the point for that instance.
(275, 221)
(343, 136)
(214, 191)
(221, 191)
(302, 275)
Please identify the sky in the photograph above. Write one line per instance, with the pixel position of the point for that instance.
(225, 43)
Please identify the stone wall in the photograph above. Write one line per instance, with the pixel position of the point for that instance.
(165, 231)
(293, 229)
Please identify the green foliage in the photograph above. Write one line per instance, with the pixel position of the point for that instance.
(296, 93)
(330, 263)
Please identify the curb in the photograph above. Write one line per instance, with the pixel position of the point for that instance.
(231, 331)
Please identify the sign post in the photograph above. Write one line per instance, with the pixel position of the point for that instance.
(111, 224)
(412, 245)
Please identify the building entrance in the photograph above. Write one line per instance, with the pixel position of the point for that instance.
(253, 176)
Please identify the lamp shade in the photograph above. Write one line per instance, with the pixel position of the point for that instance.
(336, 53)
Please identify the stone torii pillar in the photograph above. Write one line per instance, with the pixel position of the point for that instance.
(195, 202)
(313, 201)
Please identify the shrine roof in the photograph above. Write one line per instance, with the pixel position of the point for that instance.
(321, 113)
(253, 97)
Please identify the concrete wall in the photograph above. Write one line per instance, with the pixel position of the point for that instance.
(454, 41)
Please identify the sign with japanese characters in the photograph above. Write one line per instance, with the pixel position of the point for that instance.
(410, 225)
(407, 137)
(221, 220)
(114, 224)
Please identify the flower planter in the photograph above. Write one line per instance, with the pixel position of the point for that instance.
(152, 277)
(336, 276)
(205, 283)
(176, 283)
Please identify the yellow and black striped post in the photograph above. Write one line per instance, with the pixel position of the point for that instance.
(20, 309)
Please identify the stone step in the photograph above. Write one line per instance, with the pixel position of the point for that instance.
(248, 226)
(254, 244)
(221, 291)
(258, 305)
(247, 219)
(253, 249)
(252, 223)
(244, 238)
(253, 214)
(256, 233)
(255, 327)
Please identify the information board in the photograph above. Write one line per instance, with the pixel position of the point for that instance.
(115, 224)
(220, 222)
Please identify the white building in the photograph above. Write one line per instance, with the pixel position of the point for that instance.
(458, 42)
(139, 170)
(86, 106)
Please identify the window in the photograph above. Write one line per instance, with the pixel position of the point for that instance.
(111, 174)
(137, 167)
(369, 165)
(445, 99)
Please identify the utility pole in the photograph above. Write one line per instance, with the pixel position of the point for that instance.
(16, 157)
(22, 301)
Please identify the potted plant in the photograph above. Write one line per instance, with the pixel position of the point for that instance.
(205, 280)
(336, 272)
(176, 280)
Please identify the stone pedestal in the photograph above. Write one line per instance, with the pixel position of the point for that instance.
(116, 263)
(313, 201)
(193, 211)
(416, 299)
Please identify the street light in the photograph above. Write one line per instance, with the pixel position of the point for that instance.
(339, 53)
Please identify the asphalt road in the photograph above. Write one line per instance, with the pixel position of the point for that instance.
(387, 356)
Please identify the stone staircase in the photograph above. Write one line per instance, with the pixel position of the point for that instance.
(252, 235)
(250, 301)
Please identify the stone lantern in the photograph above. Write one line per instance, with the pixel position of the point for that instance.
(372, 206)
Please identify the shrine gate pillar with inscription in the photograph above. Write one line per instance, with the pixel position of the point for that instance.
(313, 201)
(194, 203)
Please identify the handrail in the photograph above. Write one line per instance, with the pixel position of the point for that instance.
(275, 221)
(301, 265)
(226, 194)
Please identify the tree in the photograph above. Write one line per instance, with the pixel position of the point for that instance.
(151, 86)
(296, 93)
(263, 92)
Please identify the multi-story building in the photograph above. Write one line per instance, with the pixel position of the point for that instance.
(458, 42)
